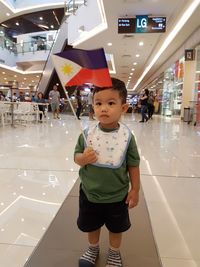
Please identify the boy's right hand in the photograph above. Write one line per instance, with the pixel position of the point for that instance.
(89, 155)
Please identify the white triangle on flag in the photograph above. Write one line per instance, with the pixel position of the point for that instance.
(65, 68)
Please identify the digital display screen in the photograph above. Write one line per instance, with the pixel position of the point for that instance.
(142, 24)
(156, 24)
(126, 25)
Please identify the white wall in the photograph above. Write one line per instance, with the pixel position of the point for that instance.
(29, 3)
(8, 57)
(88, 16)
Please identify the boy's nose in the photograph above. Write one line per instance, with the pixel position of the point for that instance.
(104, 108)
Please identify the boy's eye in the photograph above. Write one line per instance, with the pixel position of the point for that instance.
(110, 103)
(98, 104)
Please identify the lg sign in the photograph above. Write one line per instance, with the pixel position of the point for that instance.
(141, 24)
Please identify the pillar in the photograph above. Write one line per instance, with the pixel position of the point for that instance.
(188, 85)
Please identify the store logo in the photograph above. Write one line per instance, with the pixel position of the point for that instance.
(141, 24)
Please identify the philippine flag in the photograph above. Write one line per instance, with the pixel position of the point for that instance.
(77, 66)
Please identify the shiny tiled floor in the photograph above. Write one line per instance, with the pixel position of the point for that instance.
(37, 172)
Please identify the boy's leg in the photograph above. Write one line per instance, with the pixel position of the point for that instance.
(114, 256)
(88, 259)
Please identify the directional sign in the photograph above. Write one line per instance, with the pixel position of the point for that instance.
(142, 24)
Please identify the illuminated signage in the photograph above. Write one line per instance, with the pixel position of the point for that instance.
(126, 25)
(142, 24)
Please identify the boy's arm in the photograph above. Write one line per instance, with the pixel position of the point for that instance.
(133, 195)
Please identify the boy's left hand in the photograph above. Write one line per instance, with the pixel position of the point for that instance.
(132, 198)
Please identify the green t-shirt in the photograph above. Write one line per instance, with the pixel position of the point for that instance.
(107, 185)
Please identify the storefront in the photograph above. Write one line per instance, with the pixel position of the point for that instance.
(172, 89)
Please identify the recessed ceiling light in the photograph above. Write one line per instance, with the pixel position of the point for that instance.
(141, 43)
(109, 44)
(131, 73)
(52, 27)
(24, 78)
(17, 23)
(41, 18)
(137, 55)
(3, 72)
(132, 69)
(135, 63)
(7, 14)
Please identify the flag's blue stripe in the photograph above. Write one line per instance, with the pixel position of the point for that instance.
(90, 59)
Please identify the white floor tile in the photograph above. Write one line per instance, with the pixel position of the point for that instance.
(13, 255)
(179, 263)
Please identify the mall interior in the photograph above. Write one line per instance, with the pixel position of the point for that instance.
(152, 44)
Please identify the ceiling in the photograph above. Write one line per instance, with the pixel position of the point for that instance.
(125, 46)
(34, 22)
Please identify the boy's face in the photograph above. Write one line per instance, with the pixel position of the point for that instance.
(108, 107)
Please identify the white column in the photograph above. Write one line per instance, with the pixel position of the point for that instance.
(188, 84)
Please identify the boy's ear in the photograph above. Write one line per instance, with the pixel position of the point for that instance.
(125, 107)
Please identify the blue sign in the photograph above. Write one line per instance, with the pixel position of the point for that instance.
(141, 24)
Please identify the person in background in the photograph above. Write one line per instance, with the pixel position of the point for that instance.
(78, 103)
(2, 97)
(144, 105)
(151, 105)
(27, 97)
(14, 97)
(54, 99)
(90, 100)
(108, 163)
(40, 99)
(21, 97)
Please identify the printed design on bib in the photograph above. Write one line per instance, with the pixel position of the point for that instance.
(110, 147)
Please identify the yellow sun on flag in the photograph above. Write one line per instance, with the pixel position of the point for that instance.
(67, 69)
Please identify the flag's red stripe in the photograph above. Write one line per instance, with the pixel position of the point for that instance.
(98, 77)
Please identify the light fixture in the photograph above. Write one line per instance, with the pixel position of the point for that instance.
(109, 44)
(41, 18)
(7, 14)
(17, 23)
(135, 63)
(137, 55)
(141, 43)
(132, 69)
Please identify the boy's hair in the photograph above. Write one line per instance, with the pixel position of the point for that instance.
(117, 85)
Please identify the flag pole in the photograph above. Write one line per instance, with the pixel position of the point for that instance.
(72, 108)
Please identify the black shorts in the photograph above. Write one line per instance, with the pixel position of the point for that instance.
(93, 216)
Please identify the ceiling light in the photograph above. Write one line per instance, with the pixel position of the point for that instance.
(135, 63)
(7, 14)
(41, 18)
(109, 44)
(141, 43)
(52, 27)
(131, 73)
(43, 26)
(132, 69)
(137, 55)
(17, 23)
(3, 72)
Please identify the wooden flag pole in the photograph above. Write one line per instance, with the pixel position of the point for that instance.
(72, 108)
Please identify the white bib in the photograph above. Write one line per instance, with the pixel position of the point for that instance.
(110, 147)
